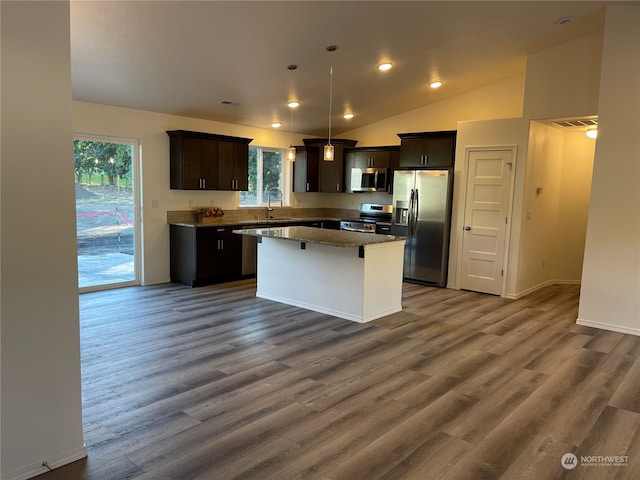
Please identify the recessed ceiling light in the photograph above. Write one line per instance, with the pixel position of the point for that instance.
(436, 84)
(348, 116)
(276, 124)
(385, 66)
(293, 104)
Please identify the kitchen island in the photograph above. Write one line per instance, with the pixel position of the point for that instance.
(355, 276)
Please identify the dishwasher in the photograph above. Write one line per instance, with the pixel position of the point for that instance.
(249, 252)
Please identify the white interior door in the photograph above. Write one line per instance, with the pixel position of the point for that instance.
(488, 193)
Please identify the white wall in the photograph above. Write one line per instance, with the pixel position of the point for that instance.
(610, 294)
(41, 398)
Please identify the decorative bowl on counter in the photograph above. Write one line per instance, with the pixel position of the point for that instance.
(208, 212)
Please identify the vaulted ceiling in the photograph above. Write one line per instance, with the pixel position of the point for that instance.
(228, 60)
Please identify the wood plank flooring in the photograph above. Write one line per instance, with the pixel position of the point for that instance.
(215, 384)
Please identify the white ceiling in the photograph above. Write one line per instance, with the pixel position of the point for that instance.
(185, 58)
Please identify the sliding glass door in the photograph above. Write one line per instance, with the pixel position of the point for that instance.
(106, 206)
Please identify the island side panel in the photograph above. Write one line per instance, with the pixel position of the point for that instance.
(383, 279)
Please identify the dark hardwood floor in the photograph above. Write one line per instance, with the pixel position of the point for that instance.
(213, 383)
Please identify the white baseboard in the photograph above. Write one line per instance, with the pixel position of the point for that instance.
(608, 326)
(54, 462)
(516, 296)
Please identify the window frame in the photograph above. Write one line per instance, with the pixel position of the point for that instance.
(285, 177)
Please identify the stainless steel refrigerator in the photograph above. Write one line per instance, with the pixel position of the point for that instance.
(422, 210)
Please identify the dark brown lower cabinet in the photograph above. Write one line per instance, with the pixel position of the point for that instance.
(203, 255)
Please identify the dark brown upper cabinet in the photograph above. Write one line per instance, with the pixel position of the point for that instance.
(205, 161)
(313, 171)
(374, 157)
(427, 149)
(305, 170)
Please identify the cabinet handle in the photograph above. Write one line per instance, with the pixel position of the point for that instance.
(307, 186)
(337, 187)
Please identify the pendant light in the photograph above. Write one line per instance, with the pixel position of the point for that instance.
(291, 151)
(328, 148)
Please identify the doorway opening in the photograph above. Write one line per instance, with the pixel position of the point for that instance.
(106, 212)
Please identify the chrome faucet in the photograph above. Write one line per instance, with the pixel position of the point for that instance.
(269, 208)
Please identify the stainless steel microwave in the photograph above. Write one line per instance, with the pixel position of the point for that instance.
(368, 179)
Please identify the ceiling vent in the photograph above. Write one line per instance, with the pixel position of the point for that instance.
(577, 122)
(230, 103)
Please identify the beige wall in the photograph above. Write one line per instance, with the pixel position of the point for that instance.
(610, 294)
(540, 210)
(564, 80)
(502, 99)
(573, 207)
(488, 134)
(41, 401)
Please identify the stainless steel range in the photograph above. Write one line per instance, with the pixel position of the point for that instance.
(370, 214)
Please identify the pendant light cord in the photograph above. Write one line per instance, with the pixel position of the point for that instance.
(330, 99)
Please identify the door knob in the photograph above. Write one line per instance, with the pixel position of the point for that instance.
(467, 228)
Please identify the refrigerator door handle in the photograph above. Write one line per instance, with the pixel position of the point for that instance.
(415, 213)
(410, 213)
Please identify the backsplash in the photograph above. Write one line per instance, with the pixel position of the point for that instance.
(249, 214)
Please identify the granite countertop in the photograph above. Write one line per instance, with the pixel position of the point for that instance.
(218, 222)
(336, 238)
